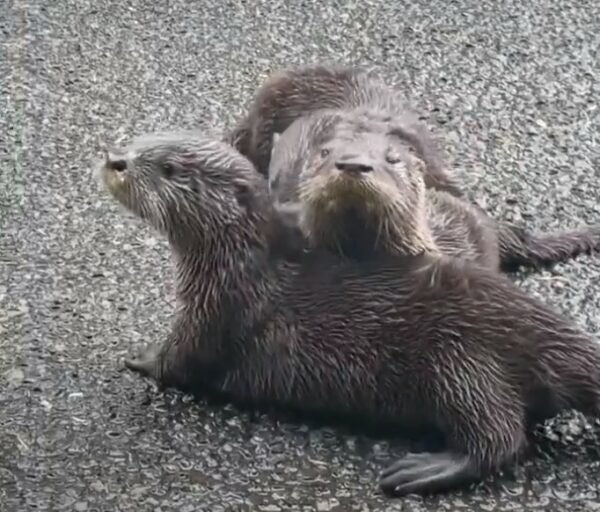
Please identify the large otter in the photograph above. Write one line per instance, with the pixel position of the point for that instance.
(291, 93)
(348, 178)
(418, 340)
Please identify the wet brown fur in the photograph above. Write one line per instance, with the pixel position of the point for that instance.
(294, 104)
(420, 340)
(291, 93)
(387, 209)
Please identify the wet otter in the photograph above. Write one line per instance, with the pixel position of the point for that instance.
(418, 340)
(289, 96)
(349, 179)
(291, 93)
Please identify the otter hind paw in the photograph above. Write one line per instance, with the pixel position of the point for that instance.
(148, 363)
(425, 473)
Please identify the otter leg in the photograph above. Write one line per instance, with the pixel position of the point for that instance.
(168, 365)
(520, 248)
(484, 421)
(427, 473)
(179, 358)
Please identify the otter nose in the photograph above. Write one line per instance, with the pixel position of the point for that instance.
(353, 164)
(115, 162)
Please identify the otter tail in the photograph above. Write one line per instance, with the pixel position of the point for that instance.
(566, 367)
(521, 248)
(579, 382)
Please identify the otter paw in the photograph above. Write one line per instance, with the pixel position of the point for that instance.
(424, 473)
(148, 363)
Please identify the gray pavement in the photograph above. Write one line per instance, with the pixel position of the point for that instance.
(513, 89)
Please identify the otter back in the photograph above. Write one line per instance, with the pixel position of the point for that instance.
(289, 94)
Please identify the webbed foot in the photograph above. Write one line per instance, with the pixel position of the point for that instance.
(425, 473)
(148, 363)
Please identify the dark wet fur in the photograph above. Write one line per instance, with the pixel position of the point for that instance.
(291, 93)
(414, 340)
(312, 99)
(520, 248)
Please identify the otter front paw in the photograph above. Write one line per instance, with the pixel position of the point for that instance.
(149, 363)
(425, 473)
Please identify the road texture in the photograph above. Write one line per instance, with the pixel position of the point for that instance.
(511, 87)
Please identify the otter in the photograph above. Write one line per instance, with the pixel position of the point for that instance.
(291, 93)
(425, 340)
(288, 96)
(348, 180)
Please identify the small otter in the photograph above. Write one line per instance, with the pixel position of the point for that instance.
(356, 186)
(418, 341)
(291, 93)
(349, 181)
(288, 96)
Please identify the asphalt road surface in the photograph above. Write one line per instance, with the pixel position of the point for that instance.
(512, 88)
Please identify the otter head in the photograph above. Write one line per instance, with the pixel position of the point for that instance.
(358, 182)
(187, 186)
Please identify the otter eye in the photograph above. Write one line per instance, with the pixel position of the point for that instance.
(392, 158)
(324, 152)
(243, 194)
(168, 170)
(193, 184)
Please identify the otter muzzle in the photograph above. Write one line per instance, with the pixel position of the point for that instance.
(114, 181)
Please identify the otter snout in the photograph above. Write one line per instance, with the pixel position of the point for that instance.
(355, 164)
(115, 162)
(113, 171)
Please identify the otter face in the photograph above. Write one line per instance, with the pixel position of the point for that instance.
(354, 183)
(358, 186)
(364, 169)
(183, 184)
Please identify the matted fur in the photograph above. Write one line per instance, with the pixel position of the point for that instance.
(420, 340)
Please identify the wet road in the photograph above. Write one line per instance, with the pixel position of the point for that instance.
(513, 92)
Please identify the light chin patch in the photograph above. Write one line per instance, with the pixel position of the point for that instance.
(113, 180)
(116, 184)
(350, 190)
(339, 196)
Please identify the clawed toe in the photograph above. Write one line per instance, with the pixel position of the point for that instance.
(137, 365)
(147, 363)
(425, 473)
(407, 461)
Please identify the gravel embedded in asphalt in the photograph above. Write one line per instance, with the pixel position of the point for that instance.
(512, 90)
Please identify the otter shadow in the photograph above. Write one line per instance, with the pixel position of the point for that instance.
(550, 442)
